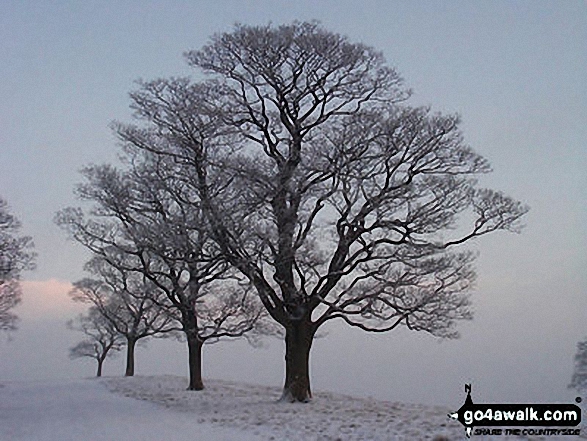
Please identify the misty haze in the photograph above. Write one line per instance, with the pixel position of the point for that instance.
(251, 221)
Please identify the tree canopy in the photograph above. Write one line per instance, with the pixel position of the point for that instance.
(319, 183)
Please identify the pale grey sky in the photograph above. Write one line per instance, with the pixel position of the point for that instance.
(515, 71)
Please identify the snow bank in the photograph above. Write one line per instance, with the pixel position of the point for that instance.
(84, 410)
(329, 417)
(159, 408)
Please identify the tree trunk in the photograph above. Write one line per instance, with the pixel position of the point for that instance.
(298, 341)
(100, 362)
(195, 360)
(130, 357)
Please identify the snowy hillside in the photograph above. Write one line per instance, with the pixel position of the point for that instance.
(84, 410)
(254, 409)
(159, 408)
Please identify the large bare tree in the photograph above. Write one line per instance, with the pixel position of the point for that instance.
(319, 182)
(16, 255)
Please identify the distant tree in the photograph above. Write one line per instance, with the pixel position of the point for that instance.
(16, 255)
(132, 304)
(330, 194)
(102, 338)
(579, 380)
(140, 226)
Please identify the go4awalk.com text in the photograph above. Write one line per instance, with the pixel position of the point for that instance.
(518, 419)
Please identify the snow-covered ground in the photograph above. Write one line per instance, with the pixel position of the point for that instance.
(84, 410)
(159, 408)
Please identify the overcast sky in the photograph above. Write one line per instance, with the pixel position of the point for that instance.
(514, 70)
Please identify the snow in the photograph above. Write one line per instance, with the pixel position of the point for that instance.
(160, 408)
(84, 410)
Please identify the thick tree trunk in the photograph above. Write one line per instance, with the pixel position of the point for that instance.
(298, 342)
(195, 361)
(130, 357)
(99, 373)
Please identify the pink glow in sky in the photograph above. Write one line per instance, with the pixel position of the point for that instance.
(47, 299)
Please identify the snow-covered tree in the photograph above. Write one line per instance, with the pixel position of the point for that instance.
(141, 227)
(102, 339)
(16, 255)
(132, 304)
(321, 185)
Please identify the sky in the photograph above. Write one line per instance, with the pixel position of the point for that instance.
(514, 70)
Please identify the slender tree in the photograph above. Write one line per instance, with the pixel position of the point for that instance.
(321, 185)
(133, 305)
(102, 338)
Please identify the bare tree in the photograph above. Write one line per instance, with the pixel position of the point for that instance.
(579, 380)
(102, 338)
(133, 305)
(140, 227)
(15, 256)
(321, 185)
